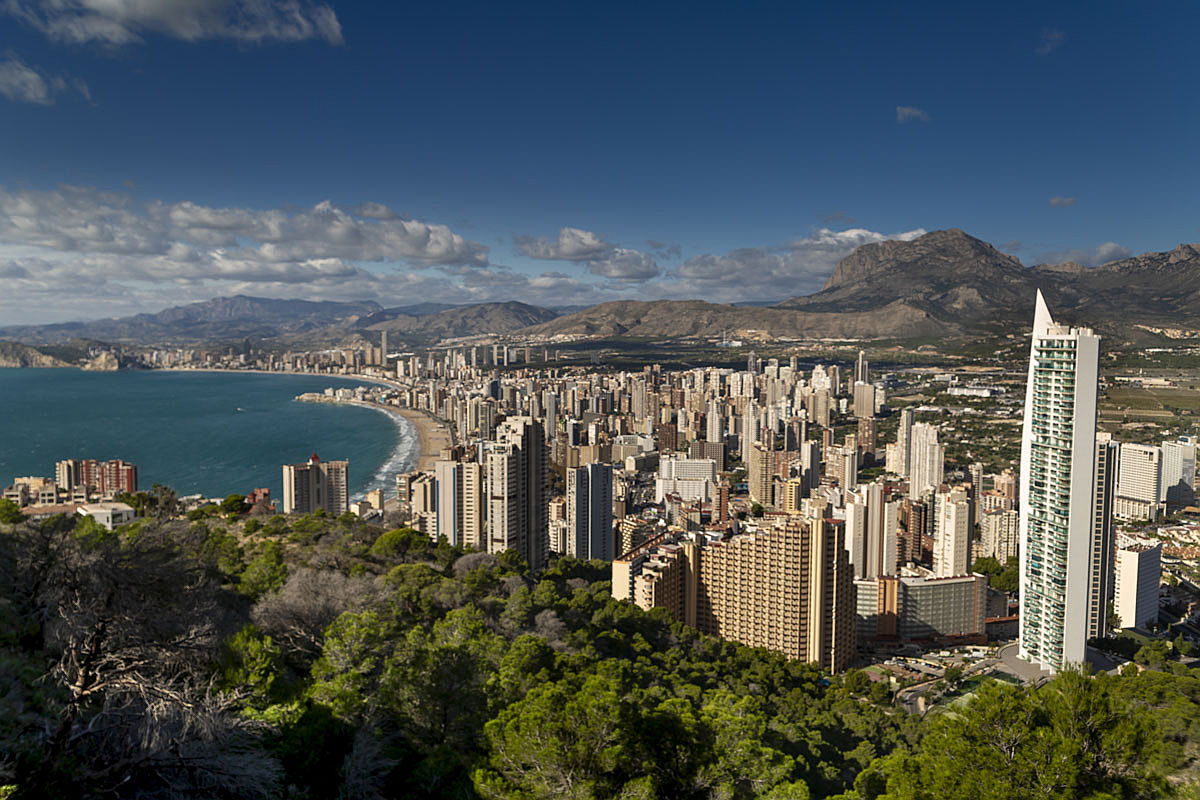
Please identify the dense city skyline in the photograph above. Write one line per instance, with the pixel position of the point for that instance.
(567, 156)
(759, 401)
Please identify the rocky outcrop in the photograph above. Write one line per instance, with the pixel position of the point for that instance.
(104, 362)
(13, 354)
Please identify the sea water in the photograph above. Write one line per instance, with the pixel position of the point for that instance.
(209, 433)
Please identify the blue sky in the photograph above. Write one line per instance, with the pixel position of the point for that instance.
(154, 152)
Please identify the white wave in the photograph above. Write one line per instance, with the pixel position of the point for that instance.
(402, 459)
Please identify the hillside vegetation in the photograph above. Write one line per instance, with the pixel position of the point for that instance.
(231, 656)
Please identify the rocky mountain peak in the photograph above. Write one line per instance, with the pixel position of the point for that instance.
(936, 253)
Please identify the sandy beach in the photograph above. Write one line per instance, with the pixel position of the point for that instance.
(432, 436)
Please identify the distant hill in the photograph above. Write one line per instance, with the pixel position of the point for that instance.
(219, 319)
(940, 284)
(967, 284)
(456, 321)
(418, 309)
(949, 277)
(677, 318)
(943, 283)
(290, 322)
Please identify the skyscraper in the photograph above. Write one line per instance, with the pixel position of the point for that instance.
(1139, 481)
(1179, 472)
(1100, 587)
(864, 400)
(926, 459)
(953, 527)
(789, 590)
(1058, 471)
(316, 484)
(516, 485)
(872, 528)
(460, 505)
(589, 512)
(904, 441)
(862, 370)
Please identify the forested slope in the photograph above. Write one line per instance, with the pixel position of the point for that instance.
(312, 657)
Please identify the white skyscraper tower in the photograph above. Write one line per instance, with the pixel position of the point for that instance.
(1058, 466)
(926, 460)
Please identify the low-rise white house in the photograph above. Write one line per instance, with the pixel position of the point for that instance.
(110, 515)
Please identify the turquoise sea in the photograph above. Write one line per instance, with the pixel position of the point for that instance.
(198, 432)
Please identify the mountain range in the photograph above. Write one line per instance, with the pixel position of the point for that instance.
(942, 283)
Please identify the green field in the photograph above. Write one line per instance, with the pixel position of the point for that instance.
(1138, 398)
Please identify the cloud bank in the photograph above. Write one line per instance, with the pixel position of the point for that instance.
(82, 253)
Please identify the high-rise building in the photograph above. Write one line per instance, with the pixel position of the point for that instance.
(904, 443)
(690, 478)
(760, 471)
(316, 484)
(872, 531)
(867, 436)
(864, 400)
(999, 534)
(516, 491)
(1058, 464)
(926, 459)
(953, 527)
(714, 423)
(460, 502)
(589, 512)
(862, 369)
(98, 477)
(1138, 573)
(1100, 589)
(1139, 481)
(1179, 472)
(789, 590)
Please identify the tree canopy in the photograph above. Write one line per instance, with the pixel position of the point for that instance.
(316, 657)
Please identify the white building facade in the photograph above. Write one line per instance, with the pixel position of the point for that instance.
(1058, 460)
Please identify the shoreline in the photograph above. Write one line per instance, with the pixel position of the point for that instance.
(432, 435)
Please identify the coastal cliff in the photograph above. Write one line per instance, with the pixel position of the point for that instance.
(13, 354)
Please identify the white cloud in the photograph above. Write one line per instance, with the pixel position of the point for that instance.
(798, 267)
(910, 114)
(1088, 256)
(597, 255)
(25, 84)
(572, 244)
(84, 238)
(121, 22)
(1061, 202)
(1049, 40)
(625, 265)
(79, 253)
(75, 219)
